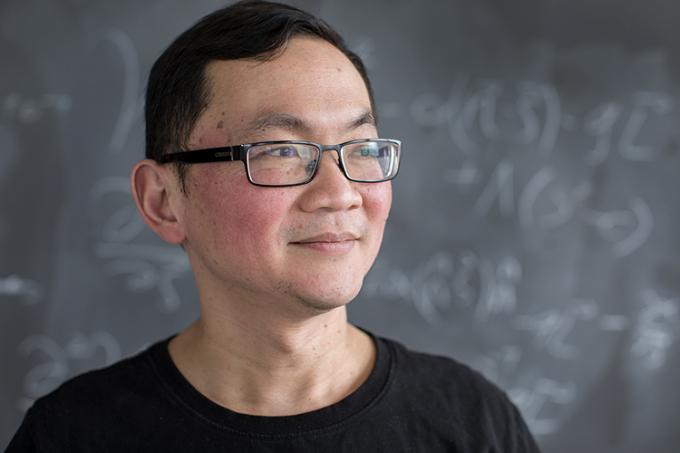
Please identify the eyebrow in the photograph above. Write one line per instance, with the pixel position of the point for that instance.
(292, 123)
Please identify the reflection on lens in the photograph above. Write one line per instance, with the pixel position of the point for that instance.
(281, 164)
(371, 161)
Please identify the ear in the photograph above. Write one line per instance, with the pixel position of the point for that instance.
(154, 189)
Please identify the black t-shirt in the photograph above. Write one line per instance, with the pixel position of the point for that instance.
(411, 402)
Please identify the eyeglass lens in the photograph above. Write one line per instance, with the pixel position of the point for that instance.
(294, 163)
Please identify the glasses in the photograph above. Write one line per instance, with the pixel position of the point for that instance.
(292, 163)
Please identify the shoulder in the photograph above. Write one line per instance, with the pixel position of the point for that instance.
(130, 375)
(81, 405)
(456, 399)
(444, 373)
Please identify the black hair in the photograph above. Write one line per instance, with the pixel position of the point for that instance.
(177, 91)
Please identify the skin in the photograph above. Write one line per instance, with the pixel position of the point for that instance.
(273, 336)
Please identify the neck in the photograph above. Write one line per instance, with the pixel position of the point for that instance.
(265, 365)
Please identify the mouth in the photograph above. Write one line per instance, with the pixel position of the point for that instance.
(334, 243)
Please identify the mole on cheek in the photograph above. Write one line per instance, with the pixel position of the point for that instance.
(220, 125)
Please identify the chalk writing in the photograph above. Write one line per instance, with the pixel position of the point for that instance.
(656, 329)
(627, 229)
(14, 285)
(132, 102)
(551, 328)
(33, 109)
(499, 366)
(542, 203)
(530, 113)
(519, 121)
(57, 362)
(147, 267)
(124, 224)
(644, 104)
(445, 283)
(499, 292)
(536, 399)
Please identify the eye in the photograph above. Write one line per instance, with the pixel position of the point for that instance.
(283, 151)
(368, 151)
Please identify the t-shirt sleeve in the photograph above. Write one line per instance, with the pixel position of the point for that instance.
(24, 440)
(520, 438)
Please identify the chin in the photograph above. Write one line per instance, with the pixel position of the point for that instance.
(331, 300)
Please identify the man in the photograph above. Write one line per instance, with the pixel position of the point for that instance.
(280, 233)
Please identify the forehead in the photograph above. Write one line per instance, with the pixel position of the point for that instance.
(310, 79)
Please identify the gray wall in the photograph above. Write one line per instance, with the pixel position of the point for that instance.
(534, 233)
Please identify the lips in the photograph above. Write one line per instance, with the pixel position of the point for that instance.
(328, 243)
(328, 237)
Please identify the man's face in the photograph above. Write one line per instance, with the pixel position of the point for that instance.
(303, 246)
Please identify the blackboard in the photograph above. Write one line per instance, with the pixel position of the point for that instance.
(535, 226)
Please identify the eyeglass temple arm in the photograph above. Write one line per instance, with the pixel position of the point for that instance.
(226, 153)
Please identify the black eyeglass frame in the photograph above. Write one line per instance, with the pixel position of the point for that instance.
(240, 152)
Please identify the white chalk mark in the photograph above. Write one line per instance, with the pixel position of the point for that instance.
(110, 184)
(499, 287)
(501, 187)
(82, 346)
(33, 110)
(465, 176)
(464, 282)
(148, 267)
(600, 123)
(56, 361)
(500, 365)
(462, 122)
(562, 214)
(613, 226)
(553, 114)
(609, 224)
(581, 192)
(536, 185)
(656, 329)
(487, 110)
(431, 291)
(399, 284)
(60, 102)
(429, 110)
(657, 103)
(44, 377)
(526, 109)
(552, 327)
(14, 285)
(645, 225)
(532, 401)
(124, 224)
(131, 102)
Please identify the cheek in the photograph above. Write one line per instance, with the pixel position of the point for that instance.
(377, 203)
(233, 214)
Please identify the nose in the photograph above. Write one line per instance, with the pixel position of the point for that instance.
(330, 189)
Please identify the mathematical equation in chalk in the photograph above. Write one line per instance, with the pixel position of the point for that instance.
(146, 267)
(487, 111)
(31, 109)
(55, 362)
(26, 289)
